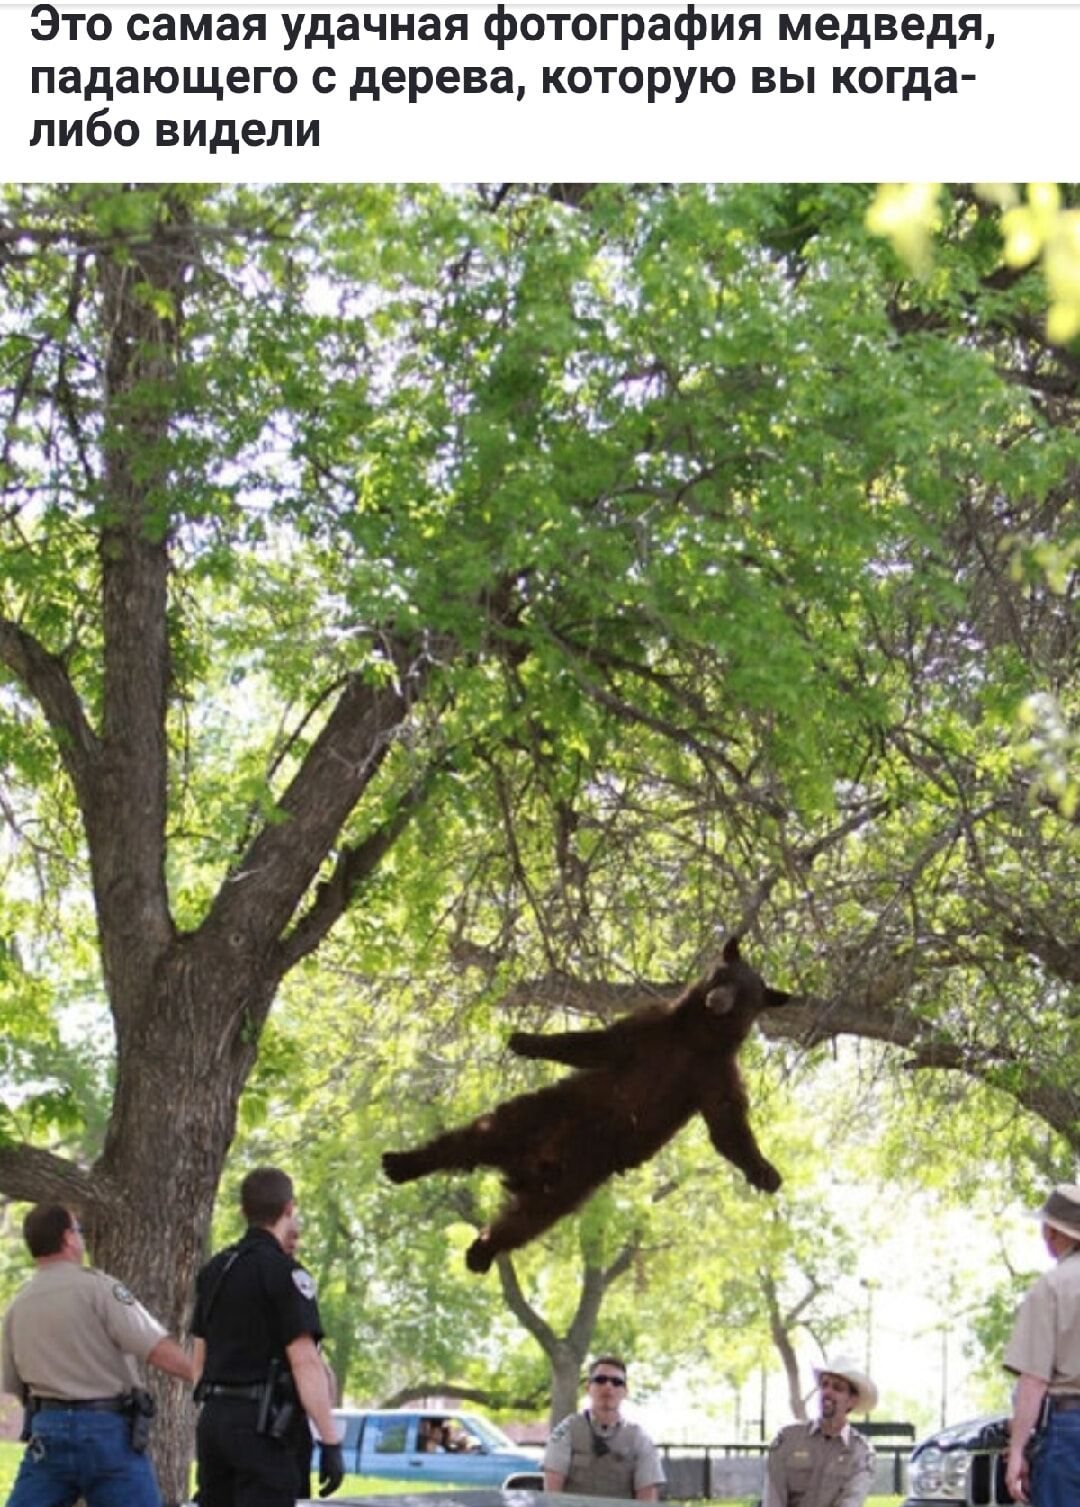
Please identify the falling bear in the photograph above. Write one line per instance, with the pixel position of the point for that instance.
(638, 1082)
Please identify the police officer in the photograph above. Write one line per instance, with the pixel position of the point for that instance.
(305, 1444)
(825, 1463)
(1044, 1353)
(598, 1453)
(257, 1329)
(72, 1340)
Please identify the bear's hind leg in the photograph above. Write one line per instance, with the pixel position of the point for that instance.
(527, 1214)
(461, 1150)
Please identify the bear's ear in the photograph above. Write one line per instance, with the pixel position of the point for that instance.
(731, 950)
(776, 997)
(721, 999)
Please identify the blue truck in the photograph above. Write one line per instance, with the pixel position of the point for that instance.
(430, 1446)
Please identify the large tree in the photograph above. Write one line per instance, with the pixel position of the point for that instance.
(319, 504)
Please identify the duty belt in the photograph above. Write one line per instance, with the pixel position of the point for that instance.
(85, 1404)
(249, 1392)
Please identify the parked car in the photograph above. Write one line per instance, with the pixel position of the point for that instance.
(962, 1463)
(430, 1445)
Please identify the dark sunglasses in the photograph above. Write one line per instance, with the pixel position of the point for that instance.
(613, 1381)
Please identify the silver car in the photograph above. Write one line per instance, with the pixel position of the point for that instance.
(964, 1463)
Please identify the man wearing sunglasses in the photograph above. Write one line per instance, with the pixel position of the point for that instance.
(597, 1452)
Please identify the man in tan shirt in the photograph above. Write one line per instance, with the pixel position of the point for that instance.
(825, 1463)
(599, 1453)
(1044, 1353)
(73, 1339)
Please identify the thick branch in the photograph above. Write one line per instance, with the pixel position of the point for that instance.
(558, 991)
(35, 1176)
(260, 898)
(356, 864)
(447, 1389)
(46, 679)
(594, 1284)
(780, 1325)
(813, 1022)
(520, 1306)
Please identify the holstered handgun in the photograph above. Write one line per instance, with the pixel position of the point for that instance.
(140, 1410)
(277, 1404)
(29, 1408)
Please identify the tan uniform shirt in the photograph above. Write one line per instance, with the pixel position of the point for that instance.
(1045, 1340)
(629, 1463)
(75, 1333)
(809, 1468)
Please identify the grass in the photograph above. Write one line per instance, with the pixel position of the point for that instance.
(11, 1454)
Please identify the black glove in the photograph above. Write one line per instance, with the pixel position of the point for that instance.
(331, 1469)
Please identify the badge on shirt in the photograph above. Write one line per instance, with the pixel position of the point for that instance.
(305, 1283)
(122, 1294)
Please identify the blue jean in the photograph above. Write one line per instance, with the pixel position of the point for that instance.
(75, 1453)
(1055, 1472)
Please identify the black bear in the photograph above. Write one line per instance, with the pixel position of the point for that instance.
(639, 1082)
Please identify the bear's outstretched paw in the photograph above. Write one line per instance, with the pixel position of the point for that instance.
(766, 1178)
(479, 1256)
(400, 1166)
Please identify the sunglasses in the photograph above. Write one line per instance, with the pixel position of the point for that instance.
(613, 1381)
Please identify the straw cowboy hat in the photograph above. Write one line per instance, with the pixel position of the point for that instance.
(1061, 1211)
(866, 1396)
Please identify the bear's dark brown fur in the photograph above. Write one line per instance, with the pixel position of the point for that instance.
(639, 1081)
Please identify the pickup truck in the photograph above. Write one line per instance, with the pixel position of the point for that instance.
(430, 1446)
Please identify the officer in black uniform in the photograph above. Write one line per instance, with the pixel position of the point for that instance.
(257, 1328)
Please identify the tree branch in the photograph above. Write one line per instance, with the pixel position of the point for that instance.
(521, 1308)
(46, 679)
(35, 1176)
(482, 1395)
(355, 864)
(260, 897)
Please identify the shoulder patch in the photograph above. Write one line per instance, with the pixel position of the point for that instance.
(122, 1294)
(304, 1282)
(561, 1430)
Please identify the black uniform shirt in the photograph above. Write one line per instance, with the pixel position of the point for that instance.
(265, 1300)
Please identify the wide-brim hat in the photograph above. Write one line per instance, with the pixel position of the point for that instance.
(866, 1393)
(1062, 1210)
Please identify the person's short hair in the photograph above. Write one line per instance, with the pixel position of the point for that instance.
(44, 1228)
(607, 1360)
(265, 1194)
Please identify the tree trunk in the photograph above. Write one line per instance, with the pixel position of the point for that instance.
(779, 1328)
(157, 1179)
(566, 1354)
(566, 1368)
(147, 1203)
